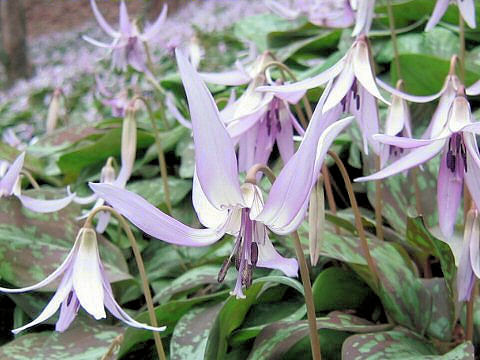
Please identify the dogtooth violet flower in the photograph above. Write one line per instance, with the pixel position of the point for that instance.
(327, 13)
(107, 175)
(466, 8)
(352, 88)
(469, 261)
(364, 13)
(127, 47)
(221, 203)
(83, 283)
(460, 161)
(10, 184)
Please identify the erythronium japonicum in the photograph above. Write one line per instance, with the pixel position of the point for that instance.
(469, 261)
(351, 87)
(221, 203)
(466, 7)
(84, 283)
(127, 46)
(10, 184)
(452, 134)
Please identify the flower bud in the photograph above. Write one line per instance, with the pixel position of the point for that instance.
(53, 111)
(129, 146)
(107, 174)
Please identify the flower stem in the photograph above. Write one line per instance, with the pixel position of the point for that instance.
(378, 202)
(30, 178)
(161, 156)
(141, 270)
(329, 192)
(358, 218)
(470, 312)
(393, 34)
(461, 26)
(312, 319)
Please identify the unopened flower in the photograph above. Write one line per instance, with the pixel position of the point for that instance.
(10, 185)
(469, 262)
(53, 111)
(127, 46)
(328, 13)
(84, 283)
(460, 162)
(466, 7)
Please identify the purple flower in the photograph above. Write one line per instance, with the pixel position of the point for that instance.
(10, 185)
(328, 13)
(222, 204)
(466, 7)
(84, 283)
(469, 262)
(453, 134)
(127, 45)
(351, 87)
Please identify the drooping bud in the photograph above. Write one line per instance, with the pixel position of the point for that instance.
(53, 111)
(107, 175)
(129, 145)
(316, 221)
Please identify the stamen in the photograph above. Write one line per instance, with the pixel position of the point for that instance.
(357, 98)
(254, 253)
(451, 161)
(69, 298)
(224, 269)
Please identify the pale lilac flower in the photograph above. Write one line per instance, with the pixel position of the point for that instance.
(221, 203)
(364, 12)
(10, 185)
(351, 87)
(127, 46)
(455, 139)
(466, 8)
(327, 13)
(84, 283)
(117, 102)
(469, 262)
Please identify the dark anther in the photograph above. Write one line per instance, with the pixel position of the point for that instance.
(224, 269)
(344, 104)
(238, 257)
(254, 253)
(69, 298)
(451, 161)
(357, 98)
(247, 276)
(463, 152)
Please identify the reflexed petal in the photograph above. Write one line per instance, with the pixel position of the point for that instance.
(285, 137)
(440, 8)
(153, 30)
(208, 214)
(341, 85)
(85, 200)
(152, 221)
(62, 292)
(170, 104)
(465, 275)
(282, 10)
(87, 279)
(363, 69)
(97, 43)
(125, 26)
(309, 83)
(45, 206)
(449, 195)
(474, 89)
(227, 78)
(268, 257)
(7, 184)
(215, 158)
(238, 127)
(364, 17)
(467, 9)
(403, 142)
(414, 158)
(121, 315)
(441, 114)
(102, 22)
(291, 97)
(472, 175)
(413, 98)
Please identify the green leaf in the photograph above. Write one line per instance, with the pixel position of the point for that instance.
(152, 189)
(189, 339)
(339, 289)
(276, 339)
(84, 340)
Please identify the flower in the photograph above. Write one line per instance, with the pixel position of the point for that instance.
(328, 13)
(469, 262)
(466, 7)
(118, 102)
(364, 12)
(351, 87)
(127, 45)
(460, 157)
(10, 185)
(84, 283)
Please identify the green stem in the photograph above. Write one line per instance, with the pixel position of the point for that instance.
(141, 269)
(161, 156)
(30, 178)
(393, 34)
(311, 316)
